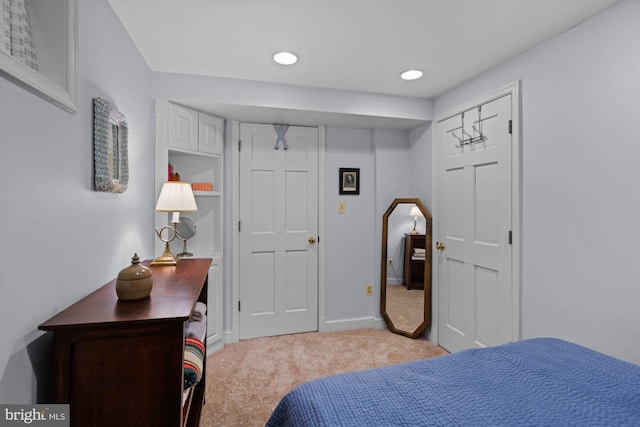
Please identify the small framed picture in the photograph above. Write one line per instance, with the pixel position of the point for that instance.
(349, 181)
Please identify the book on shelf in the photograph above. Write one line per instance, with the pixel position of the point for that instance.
(202, 186)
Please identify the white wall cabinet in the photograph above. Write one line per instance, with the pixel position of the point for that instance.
(192, 142)
(183, 127)
(195, 131)
(210, 134)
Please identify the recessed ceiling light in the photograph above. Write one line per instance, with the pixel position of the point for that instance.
(285, 58)
(411, 74)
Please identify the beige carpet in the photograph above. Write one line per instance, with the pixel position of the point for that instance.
(405, 307)
(246, 380)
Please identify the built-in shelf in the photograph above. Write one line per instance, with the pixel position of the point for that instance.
(207, 193)
(192, 142)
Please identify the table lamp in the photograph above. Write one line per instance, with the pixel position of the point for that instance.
(415, 213)
(176, 197)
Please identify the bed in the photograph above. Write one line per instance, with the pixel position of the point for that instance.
(542, 381)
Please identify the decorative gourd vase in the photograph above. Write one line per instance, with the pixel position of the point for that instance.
(135, 281)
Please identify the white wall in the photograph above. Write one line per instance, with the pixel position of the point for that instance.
(393, 167)
(61, 239)
(354, 239)
(420, 165)
(580, 175)
(393, 180)
(349, 239)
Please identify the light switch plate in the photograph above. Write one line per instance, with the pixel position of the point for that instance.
(341, 207)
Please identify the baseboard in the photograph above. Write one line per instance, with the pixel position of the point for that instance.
(214, 345)
(232, 336)
(356, 323)
(380, 324)
(432, 334)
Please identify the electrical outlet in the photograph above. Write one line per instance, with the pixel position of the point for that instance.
(390, 261)
(369, 290)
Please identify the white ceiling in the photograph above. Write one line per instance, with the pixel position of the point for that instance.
(358, 45)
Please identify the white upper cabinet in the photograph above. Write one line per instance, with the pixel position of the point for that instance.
(183, 127)
(195, 131)
(210, 134)
(194, 149)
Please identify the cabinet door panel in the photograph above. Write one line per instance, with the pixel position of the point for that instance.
(211, 134)
(183, 127)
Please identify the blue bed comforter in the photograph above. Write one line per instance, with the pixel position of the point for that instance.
(535, 382)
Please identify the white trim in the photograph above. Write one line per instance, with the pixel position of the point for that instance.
(64, 97)
(235, 218)
(214, 344)
(513, 89)
(355, 323)
(516, 205)
(322, 295)
(229, 337)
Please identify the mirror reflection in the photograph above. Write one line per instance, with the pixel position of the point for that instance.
(185, 230)
(113, 152)
(406, 267)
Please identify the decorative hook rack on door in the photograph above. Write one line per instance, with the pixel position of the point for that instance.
(281, 131)
(477, 136)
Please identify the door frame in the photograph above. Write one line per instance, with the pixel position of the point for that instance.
(513, 89)
(234, 131)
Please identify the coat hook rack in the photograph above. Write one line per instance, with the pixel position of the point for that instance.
(477, 136)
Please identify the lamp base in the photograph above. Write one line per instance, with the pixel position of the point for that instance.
(166, 258)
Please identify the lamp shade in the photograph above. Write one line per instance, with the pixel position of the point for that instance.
(176, 196)
(415, 212)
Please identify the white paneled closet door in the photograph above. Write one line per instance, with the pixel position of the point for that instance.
(278, 231)
(474, 251)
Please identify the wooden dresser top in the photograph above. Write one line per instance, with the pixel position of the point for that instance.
(175, 291)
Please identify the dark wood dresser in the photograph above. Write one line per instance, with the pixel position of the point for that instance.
(414, 268)
(120, 363)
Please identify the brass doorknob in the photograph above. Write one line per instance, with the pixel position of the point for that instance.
(440, 246)
(312, 240)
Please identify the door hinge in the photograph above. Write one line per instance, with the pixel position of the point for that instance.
(238, 226)
(238, 305)
(510, 126)
(510, 237)
(239, 145)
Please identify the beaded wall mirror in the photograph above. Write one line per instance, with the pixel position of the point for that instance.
(110, 147)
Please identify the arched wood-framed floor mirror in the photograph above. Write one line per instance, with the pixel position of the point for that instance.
(406, 305)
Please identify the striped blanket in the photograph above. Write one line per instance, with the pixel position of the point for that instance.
(193, 361)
